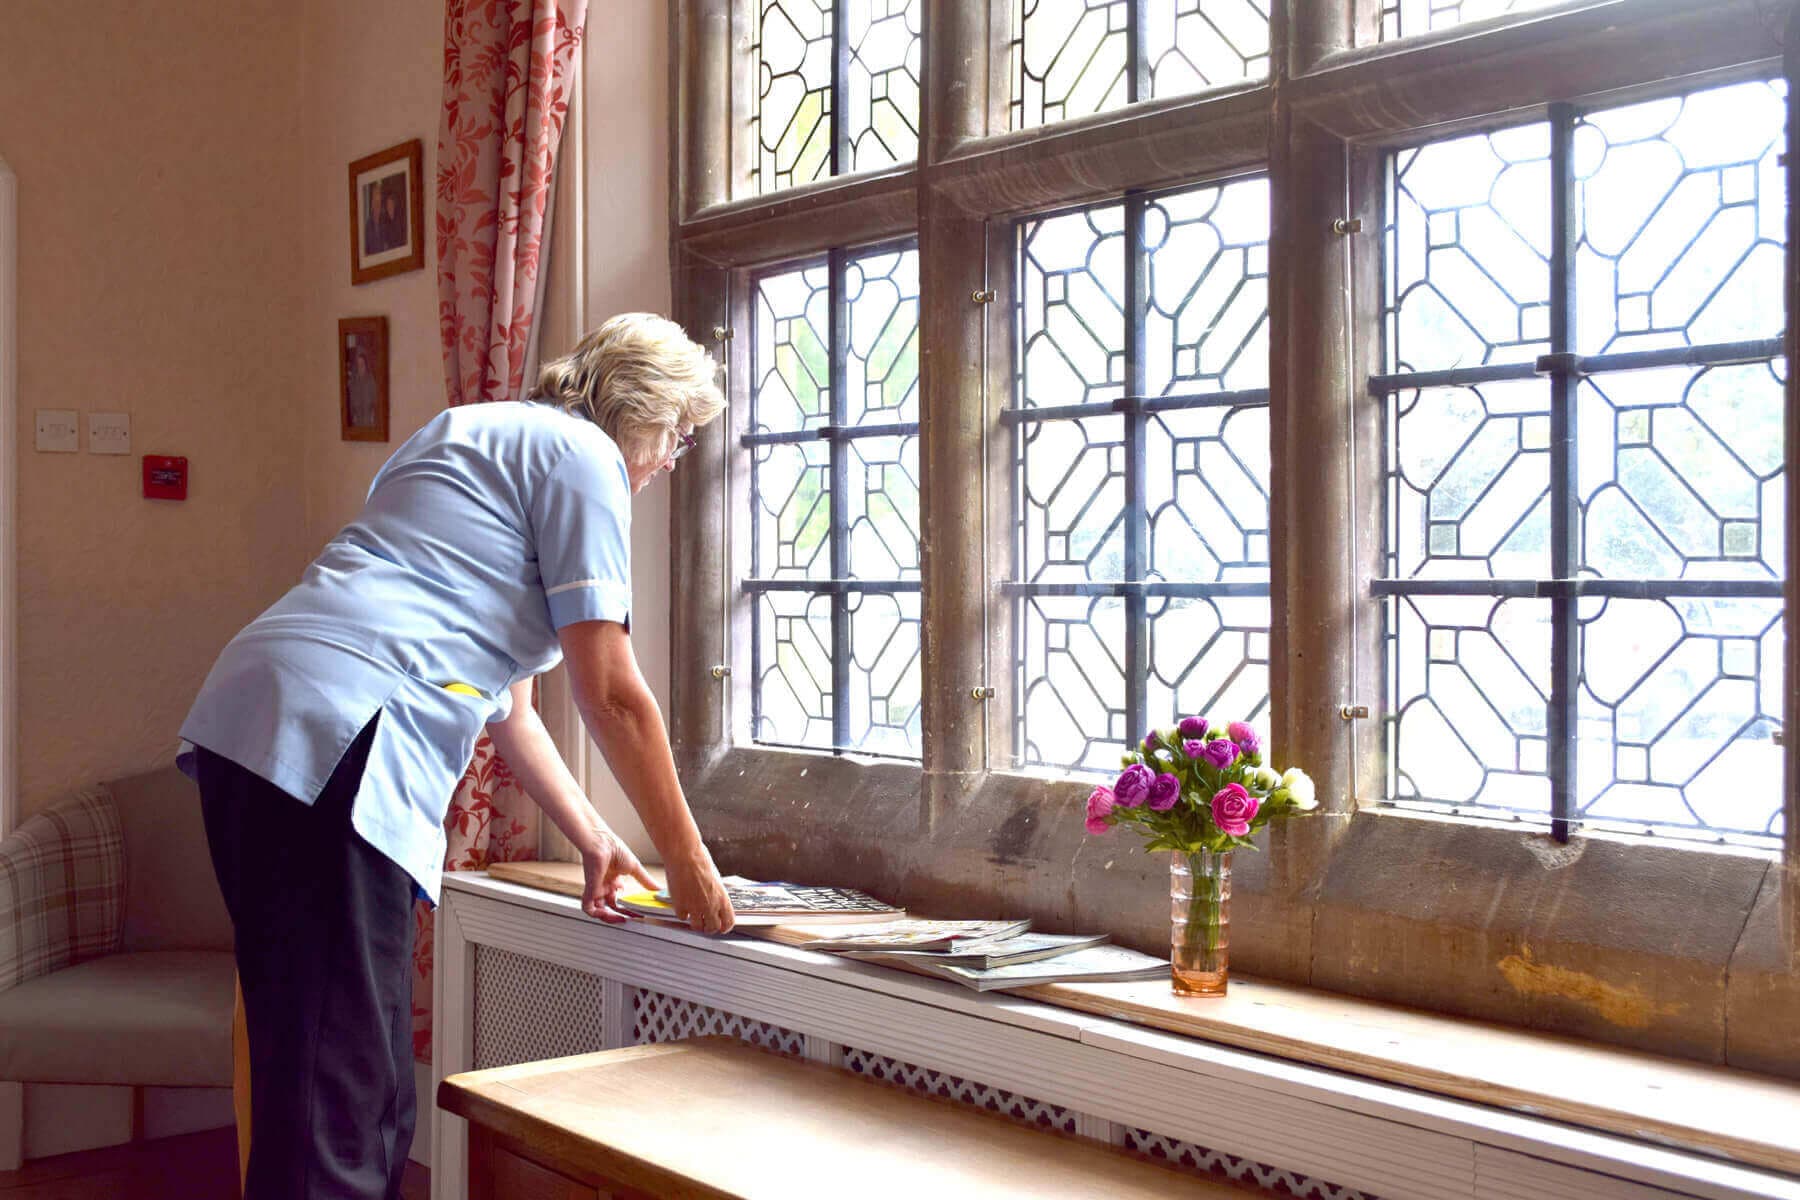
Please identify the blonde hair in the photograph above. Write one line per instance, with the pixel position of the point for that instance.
(640, 378)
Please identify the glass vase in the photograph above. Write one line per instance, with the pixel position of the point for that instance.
(1200, 917)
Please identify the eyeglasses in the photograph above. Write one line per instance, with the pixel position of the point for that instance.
(687, 442)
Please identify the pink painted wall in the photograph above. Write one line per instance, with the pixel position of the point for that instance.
(157, 274)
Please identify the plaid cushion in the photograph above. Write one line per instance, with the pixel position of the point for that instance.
(62, 887)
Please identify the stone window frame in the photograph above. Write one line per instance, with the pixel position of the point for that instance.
(1682, 949)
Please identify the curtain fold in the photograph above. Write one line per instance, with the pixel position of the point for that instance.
(509, 67)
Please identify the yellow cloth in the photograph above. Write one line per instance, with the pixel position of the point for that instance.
(463, 688)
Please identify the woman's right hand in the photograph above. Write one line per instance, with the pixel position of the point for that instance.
(697, 893)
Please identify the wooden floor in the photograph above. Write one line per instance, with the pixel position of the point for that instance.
(197, 1166)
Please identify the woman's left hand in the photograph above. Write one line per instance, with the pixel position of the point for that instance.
(605, 867)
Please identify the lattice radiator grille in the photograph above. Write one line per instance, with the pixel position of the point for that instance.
(1213, 1162)
(657, 1017)
(928, 1082)
(527, 1009)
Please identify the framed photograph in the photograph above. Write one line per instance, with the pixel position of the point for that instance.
(387, 213)
(363, 378)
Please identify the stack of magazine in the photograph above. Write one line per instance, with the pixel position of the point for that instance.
(983, 955)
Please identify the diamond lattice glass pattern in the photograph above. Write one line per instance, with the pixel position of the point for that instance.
(1073, 58)
(835, 499)
(1141, 476)
(882, 91)
(1675, 490)
(1409, 18)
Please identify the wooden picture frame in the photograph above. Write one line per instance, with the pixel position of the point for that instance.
(387, 213)
(363, 379)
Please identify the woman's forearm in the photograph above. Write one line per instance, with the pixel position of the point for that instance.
(628, 727)
(532, 756)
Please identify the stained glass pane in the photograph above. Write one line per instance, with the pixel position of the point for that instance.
(882, 126)
(1681, 472)
(793, 57)
(1207, 328)
(1469, 482)
(1682, 209)
(1680, 701)
(882, 366)
(1071, 497)
(1206, 492)
(1468, 245)
(884, 673)
(882, 507)
(1073, 58)
(1210, 656)
(792, 698)
(1468, 698)
(792, 514)
(1072, 681)
(792, 390)
(1409, 18)
(1072, 308)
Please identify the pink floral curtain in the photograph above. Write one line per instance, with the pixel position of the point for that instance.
(508, 70)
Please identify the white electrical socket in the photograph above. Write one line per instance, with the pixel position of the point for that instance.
(58, 431)
(109, 433)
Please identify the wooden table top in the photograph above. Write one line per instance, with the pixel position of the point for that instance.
(715, 1118)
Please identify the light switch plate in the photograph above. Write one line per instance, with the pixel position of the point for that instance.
(58, 431)
(109, 433)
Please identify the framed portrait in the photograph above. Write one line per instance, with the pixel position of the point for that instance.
(387, 213)
(363, 378)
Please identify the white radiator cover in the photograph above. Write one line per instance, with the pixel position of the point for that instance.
(523, 976)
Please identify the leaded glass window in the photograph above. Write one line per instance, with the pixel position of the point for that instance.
(1140, 419)
(833, 447)
(1409, 18)
(1072, 58)
(1585, 480)
(836, 86)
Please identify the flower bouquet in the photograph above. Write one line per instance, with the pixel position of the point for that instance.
(1199, 793)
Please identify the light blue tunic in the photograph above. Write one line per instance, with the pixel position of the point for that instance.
(489, 530)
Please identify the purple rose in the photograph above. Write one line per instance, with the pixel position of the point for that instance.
(1233, 809)
(1194, 748)
(1150, 742)
(1099, 807)
(1245, 737)
(1164, 792)
(1193, 727)
(1133, 786)
(1221, 753)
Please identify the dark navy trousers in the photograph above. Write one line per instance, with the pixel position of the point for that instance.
(324, 937)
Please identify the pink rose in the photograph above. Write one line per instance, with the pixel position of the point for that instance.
(1099, 807)
(1164, 792)
(1233, 809)
(1193, 748)
(1245, 737)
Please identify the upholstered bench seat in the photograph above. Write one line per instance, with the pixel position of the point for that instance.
(159, 1018)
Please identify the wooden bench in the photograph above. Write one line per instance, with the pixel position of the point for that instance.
(715, 1118)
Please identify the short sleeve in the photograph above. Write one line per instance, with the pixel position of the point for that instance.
(581, 522)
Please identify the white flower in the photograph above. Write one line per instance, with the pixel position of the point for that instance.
(1266, 779)
(1299, 787)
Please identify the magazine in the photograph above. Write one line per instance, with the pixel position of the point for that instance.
(1006, 952)
(771, 904)
(1096, 964)
(910, 934)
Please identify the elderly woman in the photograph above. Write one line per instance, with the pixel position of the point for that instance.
(331, 732)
